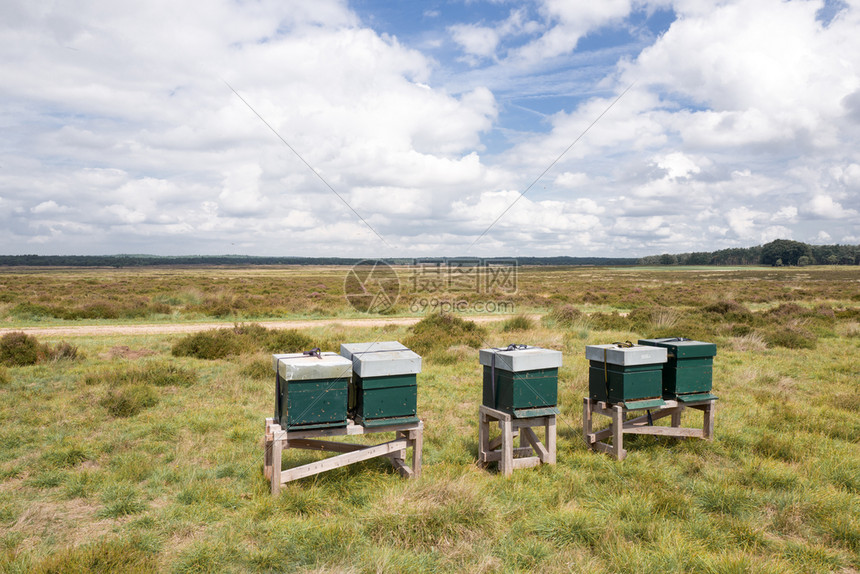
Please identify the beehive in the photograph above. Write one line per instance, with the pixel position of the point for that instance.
(631, 376)
(311, 390)
(384, 388)
(688, 373)
(521, 380)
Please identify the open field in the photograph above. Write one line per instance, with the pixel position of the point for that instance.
(136, 453)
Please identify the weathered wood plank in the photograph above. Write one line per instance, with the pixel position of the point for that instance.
(665, 431)
(617, 431)
(540, 449)
(506, 463)
(325, 445)
(416, 437)
(708, 422)
(587, 419)
(551, 440)
(342, 460)
(401, 467)
(528, 462)
(277, 447)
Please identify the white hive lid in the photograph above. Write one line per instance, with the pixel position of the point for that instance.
(516, 361)
(626, 356)
(347, 349)
(301, 367)
(383, 359)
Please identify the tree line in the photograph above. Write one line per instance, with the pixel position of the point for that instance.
(777, 253)
(121, 261)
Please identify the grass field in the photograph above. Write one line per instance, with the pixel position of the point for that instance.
(136, 454)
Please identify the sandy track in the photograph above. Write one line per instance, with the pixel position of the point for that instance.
(167, 328)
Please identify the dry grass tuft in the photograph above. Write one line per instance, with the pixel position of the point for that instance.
(750, 342)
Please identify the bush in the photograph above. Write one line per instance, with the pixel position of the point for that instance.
(286, 341)
(4, 376)
(30, 311)
(19, 350)
(565, 316)
(730, 311)
(128, 401)
(64, 351)
(211, 345)
(435, 333)
(609, 322)
(241, 339)
(792, 338)
(518, 323)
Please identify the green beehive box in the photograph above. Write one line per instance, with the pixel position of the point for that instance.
(521, 380)
(688, 374)
(384, 388)
(311, 390)
(631, 376)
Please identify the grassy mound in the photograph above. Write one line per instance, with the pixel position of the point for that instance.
(18, 349)
(518, 323)
(240, 340)
(435, 334)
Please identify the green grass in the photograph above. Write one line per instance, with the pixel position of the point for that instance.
(154, 464)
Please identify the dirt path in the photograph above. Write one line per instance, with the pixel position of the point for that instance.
(167, 328)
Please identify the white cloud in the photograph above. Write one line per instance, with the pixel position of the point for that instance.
(568, 22)
(49, 206)
(571, 180)
(119, 133)
(787, 213)
(475, 40)
(824, 206)
(678, 165)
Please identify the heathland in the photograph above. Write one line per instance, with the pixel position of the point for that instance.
(144, 453)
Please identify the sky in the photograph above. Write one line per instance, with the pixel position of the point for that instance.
(371, 128)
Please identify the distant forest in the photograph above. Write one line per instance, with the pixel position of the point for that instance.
(238, 260)
(777, 253)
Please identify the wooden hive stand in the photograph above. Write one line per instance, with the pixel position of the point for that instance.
(277, 439)
(620, 425)
(531, 451)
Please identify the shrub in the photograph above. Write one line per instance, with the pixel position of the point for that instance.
(518, 323)
(18, 349)
(791, 337)
(286, 341)
(64, 351)
(212, 344)
(609, 322)
(564, 316)
(241, 339)
(4, 376)
(435, 333)
(30, 311)
(730, 311)
(129, 401)
(650, 319)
